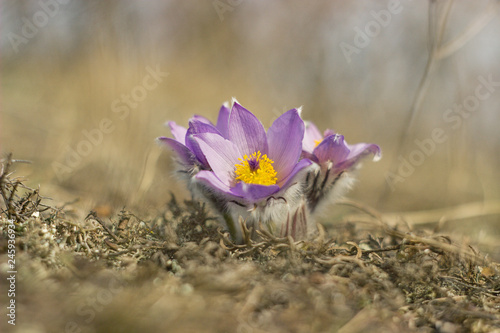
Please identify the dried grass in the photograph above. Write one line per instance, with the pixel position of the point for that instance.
(175, 271)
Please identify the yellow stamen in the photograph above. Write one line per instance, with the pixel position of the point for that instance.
(317, 142)
(256, 169)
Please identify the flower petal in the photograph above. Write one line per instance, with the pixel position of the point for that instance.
(248, 192)
(328, 132)
(311, 135)
(222, 155)
(332, 149)
(309, 156)
(196, 127)
(211, 180)
(223, 120)
(358, 151)
(246, 131)
(179, 132)
(201, 119)
(254, 192)
(285, 142)
(284, 183)
(184, 155)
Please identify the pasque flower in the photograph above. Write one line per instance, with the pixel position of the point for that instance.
(334, 159)
(244, 171)
(273, 179)
(247, 164)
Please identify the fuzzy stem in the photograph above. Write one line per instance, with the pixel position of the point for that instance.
(231, 226)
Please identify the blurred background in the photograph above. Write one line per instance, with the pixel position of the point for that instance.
(87, 85)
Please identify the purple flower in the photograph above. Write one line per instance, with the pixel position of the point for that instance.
(244, 172)
(334, 159)
(274, 178)
(246, 164)
(331, 151)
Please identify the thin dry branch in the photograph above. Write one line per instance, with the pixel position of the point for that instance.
(432, 216)
(469, 32)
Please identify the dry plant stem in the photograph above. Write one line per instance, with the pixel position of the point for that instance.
(368, 210)
(7, 199)
(461, 212)
(93, 215)
(471, 285)
(379, 219)
(429, 69)
(424, 82)
(340, 259)
(470, 31)
(433, 216)
(385, 249)
(465, 252)
(438, 52)
(250, 245)
(18, 208)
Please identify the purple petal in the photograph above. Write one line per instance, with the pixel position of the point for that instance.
(284, 183)
(309, 156)
(358, 151)
(246, 131)
(223, 121)
(285, 142)
(311, 135)
(328, 132)
(242, 190)
(210, 179)
(201, 119)
(179, 132)
(185, 156)
(365, 148)
(222, 155)
(254, 192)
(332, 149)
(197, 127)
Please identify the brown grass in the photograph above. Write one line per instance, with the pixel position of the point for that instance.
(176, 271)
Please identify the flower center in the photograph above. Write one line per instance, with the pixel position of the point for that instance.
(256, 169)
(317, 142)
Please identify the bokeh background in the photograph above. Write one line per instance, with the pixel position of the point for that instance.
(68, 65)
